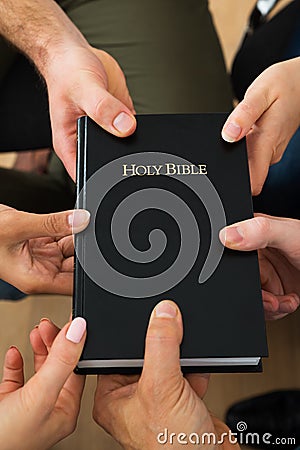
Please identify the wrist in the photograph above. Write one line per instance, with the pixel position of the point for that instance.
(54, 51)
(40, 29)
(206, 435)
(69, 65)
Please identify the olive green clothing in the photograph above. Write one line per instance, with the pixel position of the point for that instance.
(168, 50)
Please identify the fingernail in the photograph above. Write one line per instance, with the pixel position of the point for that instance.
(268, 306)
(76, 330)
(45, 319)
(123, 122)
(78, 220)
(231, 235)
(231, 132)
(13, 347)
(166, 309)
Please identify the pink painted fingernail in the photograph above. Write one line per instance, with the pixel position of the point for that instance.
(76, 330)
(231, 132)
(123, 122)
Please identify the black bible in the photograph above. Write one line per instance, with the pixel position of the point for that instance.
(158, 200)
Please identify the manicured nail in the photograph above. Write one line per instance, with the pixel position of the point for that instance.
(76, 330)
(166, 309)
(123, 122)
(231, 132)
(79, 219)
(231, 235)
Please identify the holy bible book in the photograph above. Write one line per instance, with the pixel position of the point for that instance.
(158, 200)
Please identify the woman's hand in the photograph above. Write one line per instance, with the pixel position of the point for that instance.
(37, 250)
(278, 243)
(40, 413)
(268, 116)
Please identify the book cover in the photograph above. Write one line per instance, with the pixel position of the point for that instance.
(158, 200)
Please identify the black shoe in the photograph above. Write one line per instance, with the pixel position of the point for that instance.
(274, 417)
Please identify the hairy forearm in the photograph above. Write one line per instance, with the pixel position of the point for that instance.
(39, 28)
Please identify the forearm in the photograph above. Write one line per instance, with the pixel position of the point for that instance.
(39, 28)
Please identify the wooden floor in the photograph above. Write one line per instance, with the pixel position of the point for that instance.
(282, 369)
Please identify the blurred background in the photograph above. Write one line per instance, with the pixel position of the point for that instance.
(281, 370)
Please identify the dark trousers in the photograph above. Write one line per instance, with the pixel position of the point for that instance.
(172, 60)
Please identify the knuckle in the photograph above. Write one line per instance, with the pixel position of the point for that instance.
(248, 92)
(247, 108)
(68, 359)
(102, 107)
(54, 224)
(150, 391)
(50, 224)
(162, 331)
(65, 358)
(263, 225)
(257, 100)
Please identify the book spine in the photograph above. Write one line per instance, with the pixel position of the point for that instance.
(78, 295)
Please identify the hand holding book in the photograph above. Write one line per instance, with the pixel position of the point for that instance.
(161, 407)
(278, 244)
(268, 116)
(139, 412)
(37, 250)
(38, 414)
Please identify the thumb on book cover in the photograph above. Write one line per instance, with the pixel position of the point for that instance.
(161, 363)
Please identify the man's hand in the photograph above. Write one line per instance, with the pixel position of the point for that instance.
(269, 115)
(37, 415)
(86, 81)
(80, 80)
(278, 243)
(37, 250)
(136, 412)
